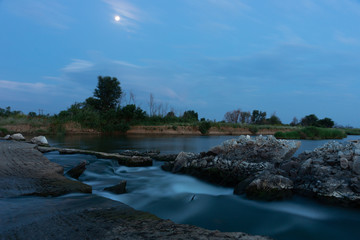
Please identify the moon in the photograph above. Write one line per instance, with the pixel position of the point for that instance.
(117, 18)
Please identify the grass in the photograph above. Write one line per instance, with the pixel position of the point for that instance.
(352, 131)
(312, 133)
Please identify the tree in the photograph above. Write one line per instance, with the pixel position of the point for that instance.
(294, 122)
(191, 116)
(258, 117)
(309, 120)
(232, 116)
(274, 120)
(245, 117)
(108, 93)
(325, 122)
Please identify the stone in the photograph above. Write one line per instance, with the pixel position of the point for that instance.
(40, 140)
(182, 159)
(7, 137)
(356, 165)
(17, 137)
(76, 171)
(270, 187)
(344, 163)
(118, 188)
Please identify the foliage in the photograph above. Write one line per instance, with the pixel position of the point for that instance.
(232, 116)
(3, 131)
(204, 127)
(253, 129)
(325, 123)
(258, 117)
(106, 94)
(190, 116)
(274, 120)
(313, 133)
(352, 131)
(309, 120)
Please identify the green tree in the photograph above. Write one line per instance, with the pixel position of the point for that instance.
(258, 117)
(190, 116)
(309, 120)
(325, 122)
(274, 120)
(107, 92)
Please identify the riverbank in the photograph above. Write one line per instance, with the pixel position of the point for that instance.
(73, 128)
(25, 171)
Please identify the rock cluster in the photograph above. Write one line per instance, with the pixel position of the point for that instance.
(250, 164)
(330, 173)
(262, 168)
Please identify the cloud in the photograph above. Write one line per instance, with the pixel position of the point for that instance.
(23, 87)
(130, 15)
(78, 65)
(230, 5)
(339, 36)
(51, 13)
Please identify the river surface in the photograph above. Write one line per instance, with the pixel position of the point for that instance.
(185, 199)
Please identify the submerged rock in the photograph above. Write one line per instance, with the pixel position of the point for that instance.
(76, 171)
(118, 188)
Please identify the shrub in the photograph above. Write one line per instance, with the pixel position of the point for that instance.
(4, 131)
(253, 129)
(204, 127)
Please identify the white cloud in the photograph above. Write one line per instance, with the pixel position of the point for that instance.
(78, 65)
(345, 39)
(51, 13)
(23, 87)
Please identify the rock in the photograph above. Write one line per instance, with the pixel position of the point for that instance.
(182, 159)
(40, 140)
(270, 187)
(7, 137)
(118, 188)
(356, 165)
(344, 163)
(17, 137)
(76, 171)
(25, 171)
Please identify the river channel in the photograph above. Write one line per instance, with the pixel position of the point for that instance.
(185, 199)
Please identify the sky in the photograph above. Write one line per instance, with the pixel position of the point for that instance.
(291, 58)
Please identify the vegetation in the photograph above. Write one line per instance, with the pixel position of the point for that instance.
(313, 133)
(104, 113)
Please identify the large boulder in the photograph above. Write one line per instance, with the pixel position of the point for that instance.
(76, 171)
(258, 149)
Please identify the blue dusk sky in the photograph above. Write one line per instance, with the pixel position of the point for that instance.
(292, 58)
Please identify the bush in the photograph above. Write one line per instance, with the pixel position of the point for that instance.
(3, 131)
(204, 127)
(253, 129)
(313, 133)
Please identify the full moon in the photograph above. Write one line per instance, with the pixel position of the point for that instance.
(117, 18)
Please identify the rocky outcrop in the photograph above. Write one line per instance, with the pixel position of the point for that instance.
(118, 188)
(94, 217)
(262, 168)
(248, 163)
(25, 171)
(330, 173)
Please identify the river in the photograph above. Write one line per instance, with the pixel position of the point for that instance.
(185, 199)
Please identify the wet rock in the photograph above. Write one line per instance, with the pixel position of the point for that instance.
(356, 165)
(76, 171)
(25, 171)
(270, 187)
(17, 137)
(7, 137)
(344, 163)
(40, 140)
(118, 188)
(182, 159)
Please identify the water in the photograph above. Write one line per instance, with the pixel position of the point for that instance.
(185, 199)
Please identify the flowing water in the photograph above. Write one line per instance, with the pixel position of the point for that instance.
(185, 199)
